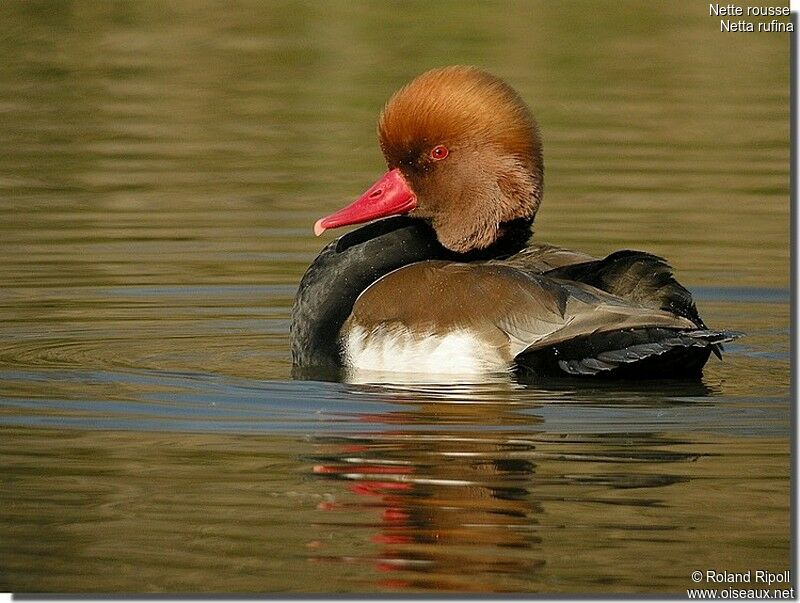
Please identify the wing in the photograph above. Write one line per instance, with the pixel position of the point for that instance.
(542, 257)
(501, 305)
(637, 276)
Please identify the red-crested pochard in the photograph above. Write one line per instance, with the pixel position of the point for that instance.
(448, 284)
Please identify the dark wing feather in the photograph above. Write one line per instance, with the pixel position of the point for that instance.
(636, 276)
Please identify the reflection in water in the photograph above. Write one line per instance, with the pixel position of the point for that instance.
(445, 505)
(468, 498)
(211, 485)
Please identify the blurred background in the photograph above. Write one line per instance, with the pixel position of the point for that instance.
(161, 168)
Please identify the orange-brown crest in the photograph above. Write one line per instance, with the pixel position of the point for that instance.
(456, 105)
(492, 172)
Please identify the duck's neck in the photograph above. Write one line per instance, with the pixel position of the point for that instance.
(514, 237)
(351, 263)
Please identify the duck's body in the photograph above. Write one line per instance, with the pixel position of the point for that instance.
(453, 288)
(388, 297)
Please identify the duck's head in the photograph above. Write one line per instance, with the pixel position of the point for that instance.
(463, 152)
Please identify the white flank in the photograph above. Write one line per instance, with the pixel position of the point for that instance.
(396, 349)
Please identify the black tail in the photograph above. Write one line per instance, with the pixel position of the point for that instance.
(652, 352)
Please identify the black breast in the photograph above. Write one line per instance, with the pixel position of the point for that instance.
(342, 270)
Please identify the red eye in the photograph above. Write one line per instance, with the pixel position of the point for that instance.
(439, 152)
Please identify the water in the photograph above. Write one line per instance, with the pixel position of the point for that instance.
(161, 167)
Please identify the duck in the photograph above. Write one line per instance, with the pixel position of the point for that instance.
(443, 277)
